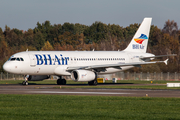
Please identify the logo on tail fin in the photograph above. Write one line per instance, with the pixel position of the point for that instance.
(141, 38)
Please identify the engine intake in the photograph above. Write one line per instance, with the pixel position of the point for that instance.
(83, 75)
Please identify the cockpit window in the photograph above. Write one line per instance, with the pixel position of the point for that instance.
(16, 59)
(21, 59)
(13, 59)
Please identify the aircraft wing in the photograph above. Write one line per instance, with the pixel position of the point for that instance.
(118, 66)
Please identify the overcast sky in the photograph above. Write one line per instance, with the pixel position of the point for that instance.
(24, 14)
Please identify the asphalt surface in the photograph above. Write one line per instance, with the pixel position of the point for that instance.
(57, 90)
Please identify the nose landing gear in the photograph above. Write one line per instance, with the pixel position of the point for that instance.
(25, 82)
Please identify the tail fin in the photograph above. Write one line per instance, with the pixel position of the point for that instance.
(140, 39)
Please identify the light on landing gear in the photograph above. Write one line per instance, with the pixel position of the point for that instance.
(26, 83)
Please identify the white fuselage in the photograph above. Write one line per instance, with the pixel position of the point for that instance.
(57, 62)
(82, 65)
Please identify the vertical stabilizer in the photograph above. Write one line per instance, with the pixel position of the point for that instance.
(140, 39)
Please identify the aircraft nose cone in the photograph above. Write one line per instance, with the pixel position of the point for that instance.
(6, 67)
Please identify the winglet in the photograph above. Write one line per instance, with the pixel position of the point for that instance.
(166, 61)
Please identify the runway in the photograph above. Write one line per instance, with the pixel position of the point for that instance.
(51, 90)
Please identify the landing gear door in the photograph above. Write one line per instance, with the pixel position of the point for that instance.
(32, 60)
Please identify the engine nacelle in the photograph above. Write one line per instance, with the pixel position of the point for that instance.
(83, 75)
(37, 77)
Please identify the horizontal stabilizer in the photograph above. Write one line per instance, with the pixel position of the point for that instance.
(158, 56)
(166, 61)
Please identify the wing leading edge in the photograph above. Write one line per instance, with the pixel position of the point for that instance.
(118, 66)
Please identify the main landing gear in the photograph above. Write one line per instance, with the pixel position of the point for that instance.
(94, 82)
(61, 81)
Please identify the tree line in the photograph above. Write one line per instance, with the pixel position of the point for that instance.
(98, 36)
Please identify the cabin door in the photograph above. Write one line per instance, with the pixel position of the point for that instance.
(32, 60)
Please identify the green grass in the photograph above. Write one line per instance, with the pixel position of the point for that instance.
(122, 87)
(72, 82)
(29, 107)
(31, 82)
(125, 84)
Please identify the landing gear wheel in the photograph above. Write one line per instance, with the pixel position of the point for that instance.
(94, 82)
(61, 82)
(24, 83)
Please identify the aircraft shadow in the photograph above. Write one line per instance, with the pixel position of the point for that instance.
(81, 84)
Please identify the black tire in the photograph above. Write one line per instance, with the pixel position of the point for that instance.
(61, 82)
(26, 83)
(94, 82)
(23, 83)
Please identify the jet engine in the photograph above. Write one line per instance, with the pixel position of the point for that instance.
(83, 75)
(37, 77)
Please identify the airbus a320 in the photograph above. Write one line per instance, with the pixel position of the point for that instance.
(82, 65)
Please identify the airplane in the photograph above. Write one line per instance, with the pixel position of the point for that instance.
(83, 66)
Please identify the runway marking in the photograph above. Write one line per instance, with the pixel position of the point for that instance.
(78, 92)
